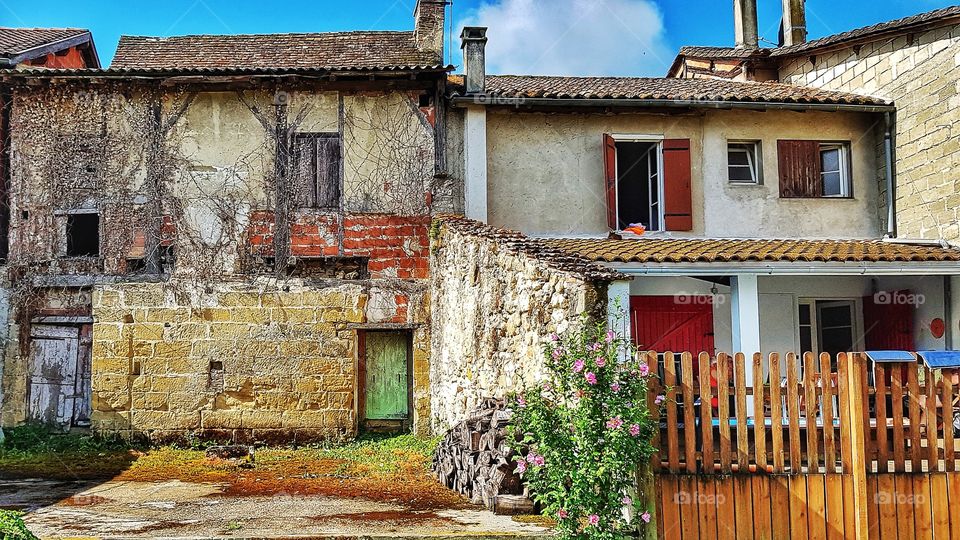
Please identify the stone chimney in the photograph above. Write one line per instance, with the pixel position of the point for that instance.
(429, 20)
(474, 45)
(794, 28)
(745, 23)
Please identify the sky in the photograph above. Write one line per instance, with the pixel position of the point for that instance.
(543, 37)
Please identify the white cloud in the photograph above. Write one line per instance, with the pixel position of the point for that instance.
(573, 37)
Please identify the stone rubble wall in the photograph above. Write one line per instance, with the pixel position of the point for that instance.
(921, 74)
(497, 296)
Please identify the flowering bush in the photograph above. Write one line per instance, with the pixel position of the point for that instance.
(588, 431)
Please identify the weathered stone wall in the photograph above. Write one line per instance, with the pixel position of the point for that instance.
(497, 296)
(240, 362)
(921, 74)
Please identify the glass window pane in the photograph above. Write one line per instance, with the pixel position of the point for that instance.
(831, 184)
(741, 174)
(804, 313)
(835, 316)
(806, 340)
(830, 160)
(738, 156)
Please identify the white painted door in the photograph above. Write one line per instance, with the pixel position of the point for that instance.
(54, 388)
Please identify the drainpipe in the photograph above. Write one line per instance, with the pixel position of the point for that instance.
(888, 150)
(948, 312)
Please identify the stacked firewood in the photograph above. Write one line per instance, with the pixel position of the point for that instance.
(475, 458)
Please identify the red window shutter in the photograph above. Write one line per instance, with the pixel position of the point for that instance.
(672, 323)
(610, 179)
(888, 323)
(678, 195)
(799, 169)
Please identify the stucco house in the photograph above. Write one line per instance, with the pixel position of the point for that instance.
(225, 235)
(750, 216)
(910, 61)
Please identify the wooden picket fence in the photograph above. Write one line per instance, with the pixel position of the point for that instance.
(809, 447)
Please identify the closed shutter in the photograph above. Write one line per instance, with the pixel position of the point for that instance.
(317, 169)
(677, 190)
(304, 182)
(328, 172)
(888, 326)
(799, 169)
(610, 180)
(672, 323)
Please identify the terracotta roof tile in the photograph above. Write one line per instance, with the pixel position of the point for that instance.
(15, 41)
(726, 251)
(723, 52)
(637, 88)
(333, 50)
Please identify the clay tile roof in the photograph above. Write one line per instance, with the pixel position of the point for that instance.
(517, 243)
(722, 52)
(726, 251)
(869, 32)
(16, 41)
(333, 50)
(671, 89)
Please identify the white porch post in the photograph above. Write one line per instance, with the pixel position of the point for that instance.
(745, 303)
(475, 156)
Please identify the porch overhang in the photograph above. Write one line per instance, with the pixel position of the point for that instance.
(790, 268)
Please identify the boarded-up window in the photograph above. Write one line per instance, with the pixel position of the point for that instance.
(799, 169)
(317, 166)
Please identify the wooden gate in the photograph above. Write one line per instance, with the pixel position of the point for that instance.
(59, 376)
(822, 448)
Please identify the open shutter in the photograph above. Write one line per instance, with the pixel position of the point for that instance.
(610, 179)
(305, 182)
(677, 194)
(888, 324)
(799, 169)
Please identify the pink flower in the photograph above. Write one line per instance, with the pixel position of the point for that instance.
(521, 467)
(615, 388)
(610, 336)
(531, 456)
(594, 346)
(557, 353)
(562, 514)
(547, 387)
(635, 430)
(554, 337)
(614, 423)
(578, 366)
(627, 501)
(660, 399)
(539, 460)
(594, 519)
(644, 370)
(601, 361)
(591, 378)
(645, 517)
(521, 402)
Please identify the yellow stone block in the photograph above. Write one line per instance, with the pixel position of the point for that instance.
(170, 383)
(216, 314)
(293, 315)
(176, 349)
(106, 331)
(110, 365)
(166, 315)
(146, 296)
(258, 419)
(304, 419)
(106, 298)
(248, 299)
(148, 331)
(189, 331)
(221, 419)
(224, 330)
(185, 365)
(250, 315)
(269, 300)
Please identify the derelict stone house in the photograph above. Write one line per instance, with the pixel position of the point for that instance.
(226, 234)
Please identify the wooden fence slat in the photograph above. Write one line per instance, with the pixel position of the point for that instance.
(873, 508)
(779, 497)
(762, 507)
(740, 391)
(776, 414)
(723, 410)
(953, 496)
(896, 412)
(726, 509)
(689, 414)
(949, 448)
(833, 495)
(793, 412)
(759, 425)
(903, 491)
(923, 520)
(673, 442)
(653, 390)
(742, 488)
(706, 414)
(850, 510)
(940, 505)
(707, 507)
(670, 507)
(913, 385)
(799, 527)
(816, 500)
(930, 407)
(843, 412)
(886, 496)
(658, 489)
(883, 453)
(858, 408)
(810, 405)
(690, 511)
(826, 384)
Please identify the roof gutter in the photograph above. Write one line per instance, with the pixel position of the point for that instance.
(905, 268)
(517, 102)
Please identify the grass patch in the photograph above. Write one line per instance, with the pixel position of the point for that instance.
(33, 450)
(12, 527)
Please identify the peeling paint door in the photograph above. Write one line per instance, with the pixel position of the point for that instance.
(387, 375)
(54, 386)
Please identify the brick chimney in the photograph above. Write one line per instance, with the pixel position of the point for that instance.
(794, 27)
(474, 45)
(745, 23)
(429, 20)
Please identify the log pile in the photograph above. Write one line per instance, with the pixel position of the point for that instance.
(476, 459)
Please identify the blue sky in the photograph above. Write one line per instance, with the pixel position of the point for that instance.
(586, 37)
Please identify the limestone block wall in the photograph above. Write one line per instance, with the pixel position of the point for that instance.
(497, 296)
(241, 362)
(921, 74)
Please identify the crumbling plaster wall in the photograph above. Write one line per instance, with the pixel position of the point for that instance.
(497, 296)
(557, 160)
(920, 73)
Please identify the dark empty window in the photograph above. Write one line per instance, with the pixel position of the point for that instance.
(83, 235)
(638, 185)
(317, 166)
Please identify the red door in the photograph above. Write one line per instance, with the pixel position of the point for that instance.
(672, 323)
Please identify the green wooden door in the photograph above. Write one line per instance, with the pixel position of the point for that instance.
(386, 381)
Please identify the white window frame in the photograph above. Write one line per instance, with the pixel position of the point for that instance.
(657, 140)
(844, 163)
(754, 161)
